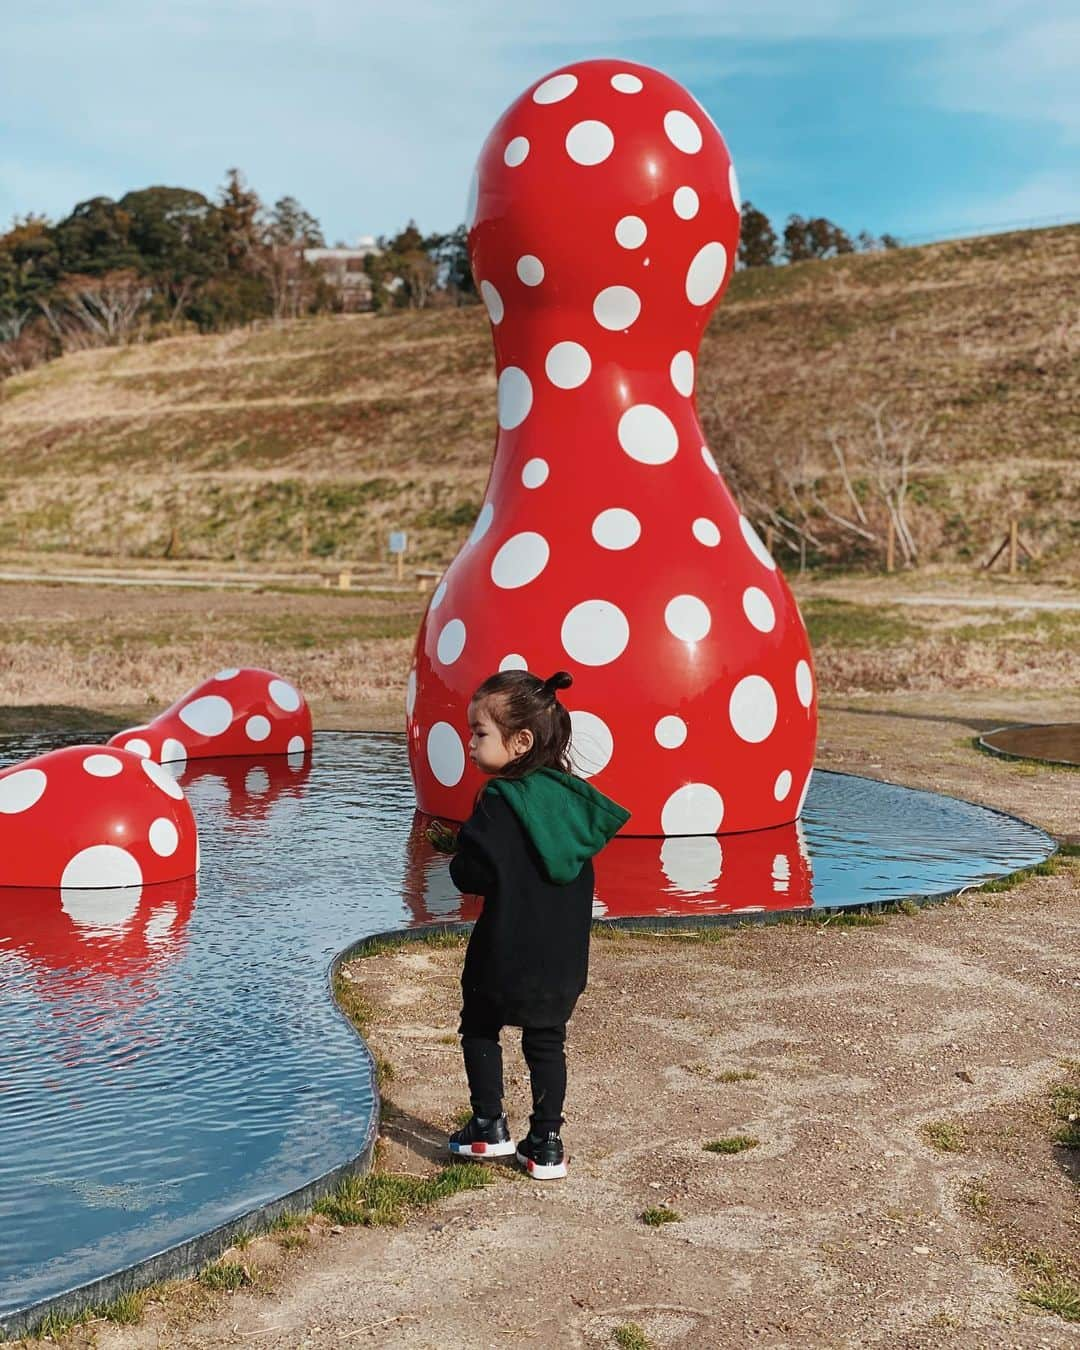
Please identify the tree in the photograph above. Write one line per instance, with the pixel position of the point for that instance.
(403, 273)
(241, 222)
(291, 224)
(450, 254)
(85, 311)
(95, 239)
(814, 238)
(757, 238)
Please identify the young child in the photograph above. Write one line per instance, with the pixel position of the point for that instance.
(527, 849)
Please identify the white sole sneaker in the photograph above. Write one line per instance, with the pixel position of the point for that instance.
(539, 1172)
(479, 1151)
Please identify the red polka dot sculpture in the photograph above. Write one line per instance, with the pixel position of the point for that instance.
(88, 818)
(604, 220)
(236, 712)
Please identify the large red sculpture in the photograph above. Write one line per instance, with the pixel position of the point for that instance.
(90, 818)
(604, 221)
(249, 712)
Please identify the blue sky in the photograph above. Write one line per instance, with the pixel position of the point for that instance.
(924, 119)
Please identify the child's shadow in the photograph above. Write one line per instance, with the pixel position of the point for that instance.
(419, 1137)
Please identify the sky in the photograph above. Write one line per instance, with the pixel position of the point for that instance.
(925, 120)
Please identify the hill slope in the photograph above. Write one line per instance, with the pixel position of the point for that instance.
(326, 433)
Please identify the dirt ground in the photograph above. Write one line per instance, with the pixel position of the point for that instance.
(843, 1227)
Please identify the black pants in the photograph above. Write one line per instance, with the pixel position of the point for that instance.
(543, 1048)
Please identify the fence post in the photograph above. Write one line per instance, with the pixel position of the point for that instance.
(890, 547)
(1014, 535)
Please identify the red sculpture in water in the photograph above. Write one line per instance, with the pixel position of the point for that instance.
(604, 221)
(248, 712)
(88, 818)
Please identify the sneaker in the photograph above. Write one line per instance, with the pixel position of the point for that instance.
(482, 1137)
(542, 1156)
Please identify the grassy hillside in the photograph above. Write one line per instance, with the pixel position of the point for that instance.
(324, 434)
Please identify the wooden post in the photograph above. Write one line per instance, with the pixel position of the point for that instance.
(400, 566)
(770, 535)
(344, 581)
(1014, 535)
(890, 547)
(305, 542)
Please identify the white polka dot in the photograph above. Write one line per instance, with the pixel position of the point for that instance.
(752, 708)
(102, 865)
(682, 373)
(647, 434)
(209, 715)
(670, 732)
(256, 781)
(631, 232)
(21, 789)
(706, 531)
(164, 837)
(516, 152)
(410, 695)
(535, 473)
(157, 927)
(520, 560)
(472, 198)
(589, 142)
(710, 461)
(733, 187)
(616, 308)
(555, 89)
(781, 873)
(595, 632)
(685, 202)
(229, 674)
(296, 745)
(483, 524)
(758, 608)
(173, 751)
(451, 642)
(695, 808)
(625, 83)
(683, 132)
(591, 743)
(515, 397)
(804, 684)
(440, 590)
(257, 727)
(446, 754)
(687, 618)
(692, 864)
(102, 766)
(567, 365)
(163, 779)
(782, 786)
(757, 548)
(513, 662)
(706, 273)
(530, 269)
(802, 795)
(137, 746)
(616, 528)
(104, 909)
(492, 301)
(285, 695)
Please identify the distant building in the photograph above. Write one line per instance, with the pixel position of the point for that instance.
(343, 270)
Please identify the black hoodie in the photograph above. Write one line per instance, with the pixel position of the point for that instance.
(528, 849)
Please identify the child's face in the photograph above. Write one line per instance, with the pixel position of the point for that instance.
(487, 749)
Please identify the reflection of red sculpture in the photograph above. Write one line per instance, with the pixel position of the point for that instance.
(604, 224)
(87, 817)
(246, 789)
(125, 932)
(760, 871)
(237, 712)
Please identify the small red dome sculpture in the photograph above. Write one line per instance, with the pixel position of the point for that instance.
(235, 712)
(92, 818)
(604, 222)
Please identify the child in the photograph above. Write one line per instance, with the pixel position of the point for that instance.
(527, 849)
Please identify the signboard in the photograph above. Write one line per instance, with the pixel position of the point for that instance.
(397, 541)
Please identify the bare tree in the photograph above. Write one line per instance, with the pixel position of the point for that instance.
(95, 311)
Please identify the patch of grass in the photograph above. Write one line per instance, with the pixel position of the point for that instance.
(660, 1214)
(944, 1135)
(224, 1275)
(384, 1071)
(286, 1222)
(448, 1040)
(292, 1241)
(733, 1143)
(977, 1198)
(1055, 1294)
(353, 1003)
(735, 1075)
(844, 918)
(843, 623)
(629, 1336)
(387, 1198)
(463, 1116)
(1050, 867)
(1065, 1105)
(55, 1325)
(908, 907)
(125, 1309)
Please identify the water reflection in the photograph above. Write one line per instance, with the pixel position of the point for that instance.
(247, 789)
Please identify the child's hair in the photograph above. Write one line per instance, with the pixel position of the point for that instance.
(518, 701)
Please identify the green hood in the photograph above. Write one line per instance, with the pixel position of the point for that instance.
(567, 820)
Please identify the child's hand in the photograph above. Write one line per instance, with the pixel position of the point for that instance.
(441, 837)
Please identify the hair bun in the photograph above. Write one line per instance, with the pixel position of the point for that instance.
(562, 679)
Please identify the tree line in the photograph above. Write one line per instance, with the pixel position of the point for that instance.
(163, 260)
